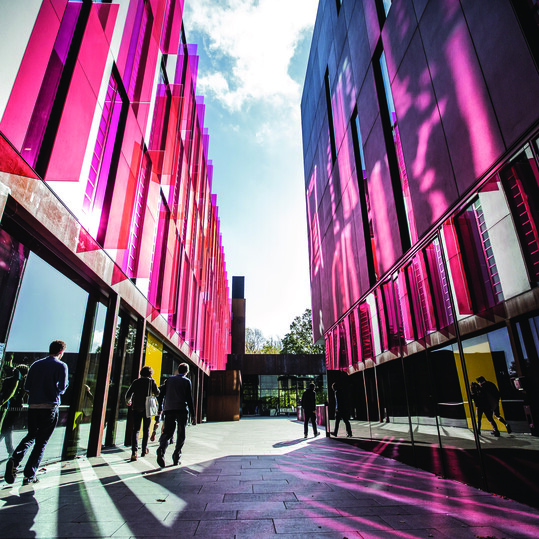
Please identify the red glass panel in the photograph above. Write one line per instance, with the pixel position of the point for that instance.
(367, 346)
(520, 180)
(32, 72)
(458, 277)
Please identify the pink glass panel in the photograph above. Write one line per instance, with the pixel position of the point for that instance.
(32, 72)
(458, 278)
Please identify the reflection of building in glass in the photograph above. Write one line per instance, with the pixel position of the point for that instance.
(422, 189)
(109, 232)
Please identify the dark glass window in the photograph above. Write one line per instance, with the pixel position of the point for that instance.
(368, 228)
(333, 147)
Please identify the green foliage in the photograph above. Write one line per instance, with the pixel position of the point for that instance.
(254, 341)
(299, 340)
(271, 346)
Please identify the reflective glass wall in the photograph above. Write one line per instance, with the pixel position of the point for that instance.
(49, 306)
(273, 394)
(441, 356)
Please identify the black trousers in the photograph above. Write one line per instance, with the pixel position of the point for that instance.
(344, 416)
(309, 417)
(173, 419)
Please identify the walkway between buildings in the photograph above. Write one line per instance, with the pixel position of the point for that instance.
(255, 478)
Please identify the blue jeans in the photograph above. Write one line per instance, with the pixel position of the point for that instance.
(41, 425)
(138, 417)
(173, 418)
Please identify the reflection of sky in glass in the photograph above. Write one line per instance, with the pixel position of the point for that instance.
(387, 86)
(99, 326)
(360, 147)
(49, 307)
(387, 6)
(499, 342)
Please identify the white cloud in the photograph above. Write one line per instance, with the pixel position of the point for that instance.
(257, 40)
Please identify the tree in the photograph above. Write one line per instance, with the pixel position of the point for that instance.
(272, 346)
(254, 341)
(299, 340)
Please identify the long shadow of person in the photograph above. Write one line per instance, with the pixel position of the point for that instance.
(18, 514)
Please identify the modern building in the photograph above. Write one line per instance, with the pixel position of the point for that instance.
(261, 384)
(109, 231)
(420, 124)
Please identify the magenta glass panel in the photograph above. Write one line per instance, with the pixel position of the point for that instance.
(458, 277)
(328, 351)
(122, 200)
(480, 265)
(439, 285)
(170, 37)
(391, 316)
(381, 310)
(32, 71)
(116, 217)
(404, 305)
(155, 290)
(520, 180)
(104, 146)
(131, 262)
(423, 294)
(11, 162)
(344, 347)
(74, 128)
(367, 345)
(416, 310)
(51, 79)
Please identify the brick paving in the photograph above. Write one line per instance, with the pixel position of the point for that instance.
(254, 478)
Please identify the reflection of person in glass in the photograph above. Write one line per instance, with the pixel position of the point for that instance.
(47, 379)
(13, 394)
(341, 410)
(482, 407)
(492, 397)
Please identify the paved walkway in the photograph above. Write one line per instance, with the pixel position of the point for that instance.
(255, 478)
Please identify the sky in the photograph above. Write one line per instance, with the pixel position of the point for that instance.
(253, 57)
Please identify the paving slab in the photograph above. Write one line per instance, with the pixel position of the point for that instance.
(254, 478)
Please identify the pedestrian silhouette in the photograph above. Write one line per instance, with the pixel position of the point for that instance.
(489, 398)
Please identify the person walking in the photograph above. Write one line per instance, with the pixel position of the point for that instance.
(342, 410)
(492, 395)
(47, 379)
(141, 388)
(308, 403)
(177, 404)
(12, 407)
(482, 406)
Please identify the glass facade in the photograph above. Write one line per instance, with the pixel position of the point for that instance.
(109, 231)
(428, 303)
(273, 394)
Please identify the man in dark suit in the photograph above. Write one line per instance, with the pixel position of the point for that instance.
(177, 404)
(308, 403)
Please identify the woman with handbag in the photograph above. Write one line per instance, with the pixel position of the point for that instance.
(141, 397)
